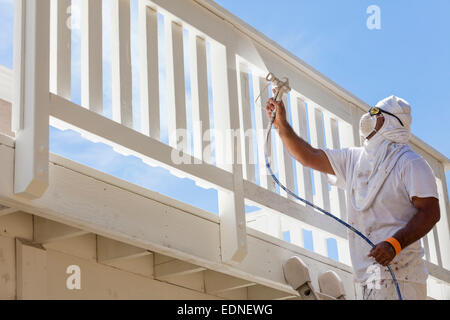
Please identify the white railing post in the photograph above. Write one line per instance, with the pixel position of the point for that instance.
(121, 63)
(300, 126)
(337, 195)
(295, 228)
(320, 242)
(233, 234)
(261, 122)
(343, 251)
(91, 56)
(296, 231)
(32, 97)
(148, 36)
(318, 141)
(349, 136)
(60, 48)
(443, 226)
(19, 65)
(284, 161)
(246, 124)
(175, 82)
(200, 99)
(433, 252)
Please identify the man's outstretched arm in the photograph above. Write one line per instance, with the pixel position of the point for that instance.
(297, 147)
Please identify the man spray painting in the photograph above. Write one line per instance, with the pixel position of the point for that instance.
(391, 196)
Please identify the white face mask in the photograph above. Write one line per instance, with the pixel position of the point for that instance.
(367, 124)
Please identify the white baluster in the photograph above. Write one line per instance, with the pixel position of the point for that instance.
(148, 35)
(284, 159)
(60, 44)
(442, 227)
(246, 124)
(296, 231)
(432, 247)
(349, 135)
(318, 141)
(300, 125)
(338, 205)
(343, 251)
(175, 83)
(121, 63)
(261, 122)
(320, 243)
(200, 99)
(91, 56)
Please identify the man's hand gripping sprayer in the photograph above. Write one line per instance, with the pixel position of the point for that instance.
(280, 88)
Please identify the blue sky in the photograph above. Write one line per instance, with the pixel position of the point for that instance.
(408, 57)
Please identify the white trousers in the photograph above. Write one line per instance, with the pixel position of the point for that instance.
(385, 290)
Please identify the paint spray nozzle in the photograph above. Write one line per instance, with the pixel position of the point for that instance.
(280, 87)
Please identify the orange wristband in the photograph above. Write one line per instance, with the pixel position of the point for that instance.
(394, 242)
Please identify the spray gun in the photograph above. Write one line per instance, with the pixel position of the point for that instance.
(280, 88)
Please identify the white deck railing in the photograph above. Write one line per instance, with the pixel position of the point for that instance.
(237, 58)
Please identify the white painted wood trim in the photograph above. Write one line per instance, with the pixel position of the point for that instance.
(443, 226)
(218, 12)
(32, 143)
(206, 255)
(7, 141)
(175, 268)
(216, 282)
(200, 99)
(109, 251)
(31, 271)
(337, 195)
(137, 143)
(46, 231)
(6, 84)
(176, 103)
(349, 135)
(7, 211)
(296, 234)
(319, 242)
(318, 141)
(438, 272)
(300, 125)
(264, 293)
(17, 80)
(111, 180)
(92, 55)
(149, 66)
(284, 161)
(121, 63)
(343, 251)
(262, 197)
(211, 19)
(261, 123)
(247, 133)
(271, 45)
(226, 116)
(60, 48)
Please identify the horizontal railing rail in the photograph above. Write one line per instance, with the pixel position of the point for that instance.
(227, 62)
